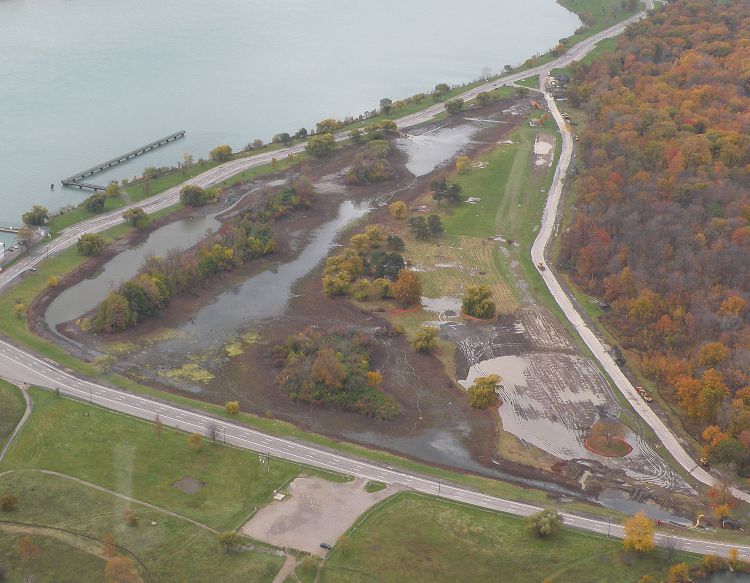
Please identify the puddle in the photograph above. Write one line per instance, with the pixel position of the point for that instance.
(551, 401)
(444, 307)
(618, 500)
(427, 151)
(89, 293)
(262, 296)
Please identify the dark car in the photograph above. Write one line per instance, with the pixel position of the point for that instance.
(325, 546)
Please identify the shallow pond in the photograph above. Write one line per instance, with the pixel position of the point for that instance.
(261, 296)
(89, 293)
(429, 150)
(618, 500)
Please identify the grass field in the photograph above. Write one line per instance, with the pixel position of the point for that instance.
(12, 407)
(125, 455)
(57, 562)
(173, 550)
(414, 538)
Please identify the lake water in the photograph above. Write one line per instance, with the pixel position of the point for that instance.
(84, 80)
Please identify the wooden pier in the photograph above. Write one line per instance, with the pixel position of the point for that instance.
(75, 180)
(11, 230)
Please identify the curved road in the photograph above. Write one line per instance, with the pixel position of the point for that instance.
(20, 365)
(538, 251)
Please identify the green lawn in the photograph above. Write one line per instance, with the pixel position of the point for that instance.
(414, 538)
(124, 454)
(57, 562)
(12, 407)
(80, 213)
(173, 550)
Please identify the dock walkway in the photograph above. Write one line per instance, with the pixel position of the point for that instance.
(75, 179)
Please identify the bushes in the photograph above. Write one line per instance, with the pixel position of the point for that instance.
(544, 524)
(8, 502)
(321, 145)
(425, 339)
(333, 369)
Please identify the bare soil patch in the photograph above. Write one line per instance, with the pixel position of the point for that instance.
(314, 511)
(189, 485)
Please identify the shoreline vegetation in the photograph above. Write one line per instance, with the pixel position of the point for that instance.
(157, 183)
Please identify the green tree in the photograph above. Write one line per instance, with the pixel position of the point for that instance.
(90, 244)
(386, 105)
(220, 153)
(282, 138)
(328, 126)
(408, 289)
(435, 225)
(425, 339)
(483, 392)
(113, 315)
(136, 217)
(440, 90)
(321, 145)
(419, 227)
(95, 203)
(455, 106)
(38, 215)
(484, 98)
(477, 302)
(192, 195)
(544, 524)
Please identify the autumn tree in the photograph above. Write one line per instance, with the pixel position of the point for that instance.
(408, 289)
(544, 524)
(19, 310)
(194, 441)
(425, 339)
(220, 153)
(398, 209)
(639, 533)
(328, 369)
(462, 164)
(483, 392)
(52, 281)
(679, 573)
(232, 407)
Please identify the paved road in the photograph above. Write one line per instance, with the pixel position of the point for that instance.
(18, 365)
(69, 236)
(538, 255)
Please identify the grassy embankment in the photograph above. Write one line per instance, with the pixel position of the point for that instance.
(415, 538)
(126, 456)
(12, 407)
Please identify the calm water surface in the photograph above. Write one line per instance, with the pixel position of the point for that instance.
(84, 80)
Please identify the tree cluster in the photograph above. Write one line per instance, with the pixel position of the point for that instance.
(332, 369)
(371, 164)
(161, 279)
(661, 227)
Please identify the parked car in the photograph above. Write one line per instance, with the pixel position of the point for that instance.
(325, 546)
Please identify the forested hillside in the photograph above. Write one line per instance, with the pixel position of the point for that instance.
(661, 226)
